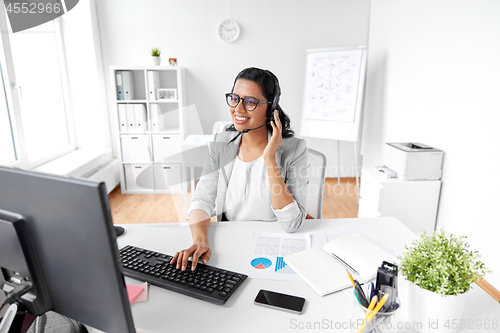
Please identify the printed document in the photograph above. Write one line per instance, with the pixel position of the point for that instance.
(266, 252)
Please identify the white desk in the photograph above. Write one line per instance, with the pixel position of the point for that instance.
(167, 311)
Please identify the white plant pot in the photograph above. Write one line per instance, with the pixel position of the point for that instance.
(429, 312)
(156, 60)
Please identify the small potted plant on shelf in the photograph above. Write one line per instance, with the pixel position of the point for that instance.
(155, 53)
(440, 269)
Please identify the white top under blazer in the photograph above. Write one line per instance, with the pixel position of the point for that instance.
(249, 196)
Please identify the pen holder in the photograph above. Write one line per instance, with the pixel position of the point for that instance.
(366, 321)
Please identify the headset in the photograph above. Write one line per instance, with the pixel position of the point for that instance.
(274, 104)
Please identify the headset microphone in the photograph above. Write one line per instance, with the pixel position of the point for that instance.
(246, 130)
(251, 129)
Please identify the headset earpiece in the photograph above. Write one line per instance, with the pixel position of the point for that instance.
(276, 99)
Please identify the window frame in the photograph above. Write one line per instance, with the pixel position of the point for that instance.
(13, 93)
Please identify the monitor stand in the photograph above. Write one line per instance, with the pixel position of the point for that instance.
(18, 320)
(52, 322)
(118, 230)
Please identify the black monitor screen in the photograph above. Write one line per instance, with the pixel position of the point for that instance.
(72, 230)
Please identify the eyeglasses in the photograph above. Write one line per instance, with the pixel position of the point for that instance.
(249, 103)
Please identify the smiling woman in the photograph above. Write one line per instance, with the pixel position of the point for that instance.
(266, 85)
(257, 170)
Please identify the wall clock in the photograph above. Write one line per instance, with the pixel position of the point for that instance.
(228, 30)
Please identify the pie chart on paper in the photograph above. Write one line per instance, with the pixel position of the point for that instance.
(261, 263)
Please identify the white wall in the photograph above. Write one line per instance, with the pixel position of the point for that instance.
(434, 78)
(274, 35)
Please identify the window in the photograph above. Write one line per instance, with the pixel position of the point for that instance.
(35, 124)
(7, 148)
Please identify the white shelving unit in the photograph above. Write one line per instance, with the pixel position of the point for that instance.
(413, 202)
(149, 151)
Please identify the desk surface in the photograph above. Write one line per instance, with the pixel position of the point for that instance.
(173, 312)
(197, 140)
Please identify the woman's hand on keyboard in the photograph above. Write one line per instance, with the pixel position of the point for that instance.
(197, 250)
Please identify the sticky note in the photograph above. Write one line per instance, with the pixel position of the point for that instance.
(134, 292)
(143, 297)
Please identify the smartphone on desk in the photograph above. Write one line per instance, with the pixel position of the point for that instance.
(279, 301)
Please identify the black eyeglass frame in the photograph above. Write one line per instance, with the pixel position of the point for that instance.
(244, 103)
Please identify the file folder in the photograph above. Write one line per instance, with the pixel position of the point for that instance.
(140, 118)
(128, 85)
(119, 86)
(122, 117)
(156, 118)
(153, 84)
(130, 117)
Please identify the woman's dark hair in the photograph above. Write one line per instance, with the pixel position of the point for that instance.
(270, 87)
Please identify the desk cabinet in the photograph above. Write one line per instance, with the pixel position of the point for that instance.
(138, 177)
(414, 203)
(147, 110)
(135, 148)
(167, 177)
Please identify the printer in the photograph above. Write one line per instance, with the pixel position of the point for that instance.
(414, 161)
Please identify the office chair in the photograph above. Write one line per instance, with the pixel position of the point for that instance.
(218, 127)
(221, 126)
(316, 169)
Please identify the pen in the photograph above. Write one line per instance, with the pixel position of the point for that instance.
(345, 264)
(361, 294)
(356, 294)
(350, 277)
(373, 313)
(371, 290)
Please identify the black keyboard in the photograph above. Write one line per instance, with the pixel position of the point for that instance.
(206, 282)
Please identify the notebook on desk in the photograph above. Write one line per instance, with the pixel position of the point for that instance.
(324, 268)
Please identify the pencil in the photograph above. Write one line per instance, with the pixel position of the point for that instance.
(374, 312)
(370, 307)
(350, 277)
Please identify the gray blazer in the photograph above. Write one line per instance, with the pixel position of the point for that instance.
(291, 158)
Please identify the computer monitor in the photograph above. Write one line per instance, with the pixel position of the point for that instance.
(72, 233)
(20, 271)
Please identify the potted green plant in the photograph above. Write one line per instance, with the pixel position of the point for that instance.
(155, 53)
(440, 268)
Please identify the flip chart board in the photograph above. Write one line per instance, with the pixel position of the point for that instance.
(333, 98)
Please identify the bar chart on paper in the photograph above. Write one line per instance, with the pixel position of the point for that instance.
(282, 267)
